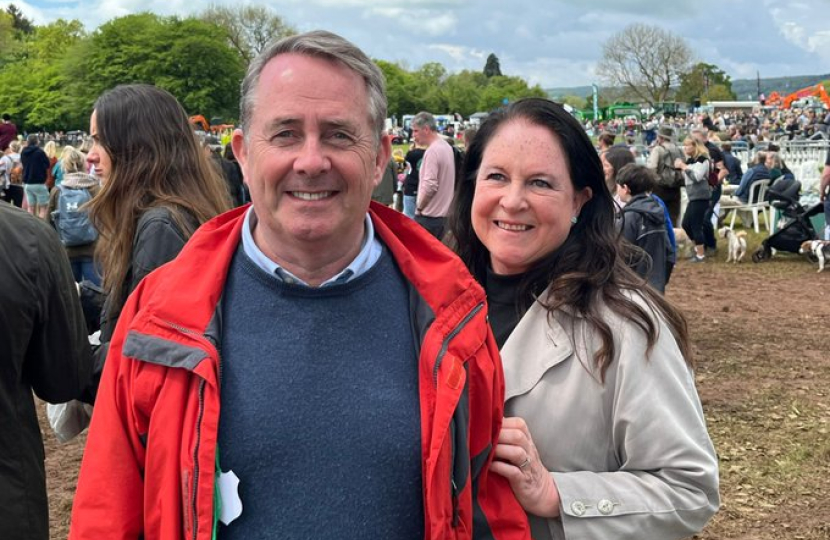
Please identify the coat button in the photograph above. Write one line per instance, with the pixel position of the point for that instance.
(578, 508)
(605, 506)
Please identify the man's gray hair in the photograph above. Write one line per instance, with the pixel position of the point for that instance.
(425, 120)
(328, 46)
(32, 140)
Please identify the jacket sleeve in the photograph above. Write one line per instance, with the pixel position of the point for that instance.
(58, 359)
(109, 500)
(697, 172)
(497, 515)
(666, 482)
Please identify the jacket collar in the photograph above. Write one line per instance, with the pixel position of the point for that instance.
(538, 343)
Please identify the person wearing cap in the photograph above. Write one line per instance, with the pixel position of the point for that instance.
(661, 160)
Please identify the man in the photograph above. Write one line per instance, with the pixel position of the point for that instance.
(35, 171)
(437, 176)
(758, 171)
(669, 180)
(8, 132)
(43, 347)
(734, 171)
(361, 391)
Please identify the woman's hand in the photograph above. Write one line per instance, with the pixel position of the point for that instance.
(518, 460)
(680, 164)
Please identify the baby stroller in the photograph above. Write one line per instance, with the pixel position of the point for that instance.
(797, 228)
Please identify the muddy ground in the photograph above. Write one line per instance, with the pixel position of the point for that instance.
(762, 338)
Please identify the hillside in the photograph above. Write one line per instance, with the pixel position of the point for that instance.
(743, 88)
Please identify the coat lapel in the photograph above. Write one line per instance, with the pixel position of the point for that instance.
(535, 345)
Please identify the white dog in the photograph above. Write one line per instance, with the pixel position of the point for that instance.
(737, 244)
(819, 248)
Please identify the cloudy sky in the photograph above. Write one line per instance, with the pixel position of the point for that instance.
(553, 43)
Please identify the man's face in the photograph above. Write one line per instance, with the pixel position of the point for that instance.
(310, 157)
(420, 135)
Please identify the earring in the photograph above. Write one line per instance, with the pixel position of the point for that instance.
(573, 220)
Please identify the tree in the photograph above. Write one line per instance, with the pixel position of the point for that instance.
(492, 68)
(248, 28)
(707, 82)
(645, 60)
(20, 22)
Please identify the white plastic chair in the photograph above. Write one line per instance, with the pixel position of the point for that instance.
(755, 205)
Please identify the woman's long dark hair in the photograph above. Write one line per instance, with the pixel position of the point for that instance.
(589, 269)
(156, 161)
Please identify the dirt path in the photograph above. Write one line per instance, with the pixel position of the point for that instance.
(762, 335)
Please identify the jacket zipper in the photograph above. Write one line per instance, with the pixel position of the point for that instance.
(202, 383)
(446, 344)
(196, 458)
(443, 351)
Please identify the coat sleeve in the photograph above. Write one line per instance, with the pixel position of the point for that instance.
(58, 359)
(497, 515)
(666, 482)
(109, 500)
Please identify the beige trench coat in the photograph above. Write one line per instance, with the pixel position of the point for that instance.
(632, 458)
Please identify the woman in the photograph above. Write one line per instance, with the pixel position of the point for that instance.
(157, 188)
(614, 159)
(73, 164)
(604, 435)
(51, 149)
(696, 178)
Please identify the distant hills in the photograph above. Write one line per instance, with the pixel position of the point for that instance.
(745, 89)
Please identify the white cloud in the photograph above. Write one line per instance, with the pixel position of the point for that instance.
(458, 53)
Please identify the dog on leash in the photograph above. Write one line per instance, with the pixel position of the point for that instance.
(819, 248)
(737, 244)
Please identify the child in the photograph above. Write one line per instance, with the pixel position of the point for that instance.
(644, 224)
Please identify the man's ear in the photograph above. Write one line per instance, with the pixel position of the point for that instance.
(239, 149)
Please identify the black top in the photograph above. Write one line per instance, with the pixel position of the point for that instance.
(505, 308)
(413, 157)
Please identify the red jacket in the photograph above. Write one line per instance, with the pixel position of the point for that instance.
(149, 463)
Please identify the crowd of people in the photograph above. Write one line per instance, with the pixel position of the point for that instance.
(494, 360)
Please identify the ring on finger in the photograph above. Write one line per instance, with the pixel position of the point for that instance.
(525, 463)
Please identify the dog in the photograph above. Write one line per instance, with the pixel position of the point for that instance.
(737, 244)
(681, 239)
(819, 248)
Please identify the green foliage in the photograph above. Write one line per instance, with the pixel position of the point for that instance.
(707, 82)
(575, 101)
(430, 88)
(492, 68)
(21, 23)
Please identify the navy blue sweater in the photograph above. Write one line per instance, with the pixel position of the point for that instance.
(320, 411)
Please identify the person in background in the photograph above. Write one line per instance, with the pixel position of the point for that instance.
(51, 150)
(35, 173)
(824, 194)
(44, 352)
(413, 161)
(359, 393)
(605, 140)
(614, 159)
(644, 224)
(604, 435)
(732, 164)
(11, 166)
(436, 181)
(73, 163)
(157, 188)
(8, 132)
(696, 176)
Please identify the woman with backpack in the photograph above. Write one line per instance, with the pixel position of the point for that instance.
(67, 208)
(158, 187)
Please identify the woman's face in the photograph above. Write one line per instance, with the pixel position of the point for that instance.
(689, 148)
(98, 156)
(524, 198)
(607, 168)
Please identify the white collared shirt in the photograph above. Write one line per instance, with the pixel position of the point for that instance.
(370, 251)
